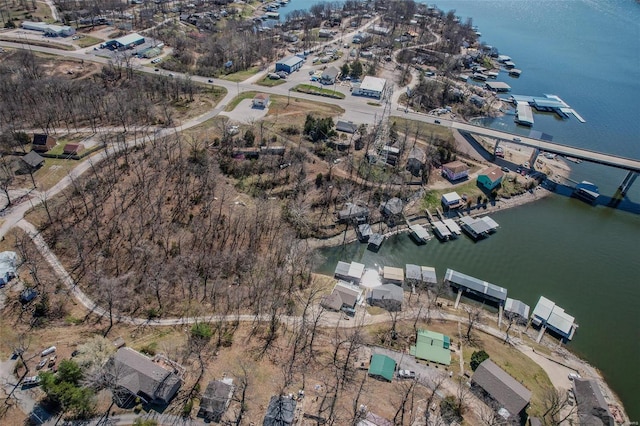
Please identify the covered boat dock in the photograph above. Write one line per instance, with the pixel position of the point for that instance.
(548, 315)
(481, 289)
(478, 228)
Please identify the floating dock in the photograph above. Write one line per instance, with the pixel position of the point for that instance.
(453, 227)
(548, 103)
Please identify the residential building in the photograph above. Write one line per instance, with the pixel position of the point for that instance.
(455, 170)
(491, 178)
(141, 377)
(329, 75)
(387, 296)
(289, 64)
(344, 296)
(593, 410)
(433, 347)
(324, 33)
(215, 399)
(382, 367)
(451, 200)
(392, 207)
(32, 160)
(261, 100)
(508, 394)
(416, 161)
(353, 212)
(280, 412)
(42, 143)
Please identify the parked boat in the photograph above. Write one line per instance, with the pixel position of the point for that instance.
(586, 191)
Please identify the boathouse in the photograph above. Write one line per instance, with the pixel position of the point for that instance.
(478, 228)
(392, 275)
(517, 307)
(478, 289)
(351, 272)
(548, 315)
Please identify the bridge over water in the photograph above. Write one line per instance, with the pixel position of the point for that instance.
(632, 166)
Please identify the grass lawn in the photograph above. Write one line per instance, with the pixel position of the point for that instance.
(313, 90)
(87, 41)
(242, 96)
(53, 171)
(267, 82)
(241, 75)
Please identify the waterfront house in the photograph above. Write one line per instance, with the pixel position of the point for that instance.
(433, 347)
(343, 296)
(491, 178)
(387, 296)
(353, 212)
(451, 200)
(592, 407)
(392, 207)
(455, 170)
(509, 394)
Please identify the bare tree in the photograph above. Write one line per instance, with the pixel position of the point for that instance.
(557, 407)
(474, 318)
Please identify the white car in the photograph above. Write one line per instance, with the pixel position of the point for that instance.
(574, 376)
(406, 374)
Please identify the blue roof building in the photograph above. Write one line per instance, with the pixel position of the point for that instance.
(290, 64)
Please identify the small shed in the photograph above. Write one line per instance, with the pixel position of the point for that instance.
(42, 142)
(382, 367)
(73, 148)
(491, 178)
(260, 100)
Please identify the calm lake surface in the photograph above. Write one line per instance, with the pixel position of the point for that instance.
(584, 258)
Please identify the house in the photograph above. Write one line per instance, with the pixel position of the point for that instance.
(390, 154)
(32, 160)
(393, 275)
(380, 30)
(507, 392)
(73, 148)
(455, 170)
(141, 377)
(371, 87)
(392, 207)
(289, 64)
(451, 200)
(593, 409)
(280, 412)
(433, 347)
(42, 143)
(416, 161)
(343, 296)
(215, 399)
(329, 75)
(261, 100)
(8, 261)
(324, 33)
(353, 212)
(349, 271)
(346, 126)
(361, 38)
(387, 296)
(382, 367)
(491, 178)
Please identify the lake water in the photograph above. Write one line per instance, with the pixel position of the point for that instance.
(582, 257)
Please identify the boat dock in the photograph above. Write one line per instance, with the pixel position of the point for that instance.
(419, 234)
(548, 103)
(441, 230)
(478, 228)
(453, 227)
(524, 114)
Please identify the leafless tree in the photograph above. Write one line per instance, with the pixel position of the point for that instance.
(474, 318)
(557, 407)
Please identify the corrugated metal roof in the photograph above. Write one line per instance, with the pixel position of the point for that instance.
(392, 273)
(342, 269)
(432, 346)
(382, 366)
(291, 61)
(129, 39)
(429, 274)
(476, 285)
(517, 307)
(506, 390)
(413, 272)
(554, 316)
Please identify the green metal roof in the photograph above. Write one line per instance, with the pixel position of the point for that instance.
(382, 366)
(432, 346)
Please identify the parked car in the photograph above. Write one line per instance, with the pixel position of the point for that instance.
(42, 363)
(210, 81)
(517, 140)
(506, 169)
(52, 361)
(349, 311)
(406, 374)
(49, 350)
(574, 376)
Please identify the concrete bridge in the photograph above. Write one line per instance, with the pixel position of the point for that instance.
(632, 166)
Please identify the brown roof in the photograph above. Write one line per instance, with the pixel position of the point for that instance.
(456, 166)
(261, 96)
(494, 174)
(503, 388)
(72, 148)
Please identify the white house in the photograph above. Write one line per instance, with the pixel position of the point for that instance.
(451, 199)
(261, 100)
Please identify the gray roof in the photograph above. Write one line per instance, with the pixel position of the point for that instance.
(553, 315)
(388, 292)
(517, 307)
(593, 410)
(291, 61)
(342, 269)
(331, 72)
(33, 159)
(503, 388)
(332, 301)
(351, 211)
(392, 206)
(346, 126)
(143, 377)
(280, 412)
(413, 272)
(417, 154)
(215, 398)
(429, 274)
(349, 294)
(476, 285)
